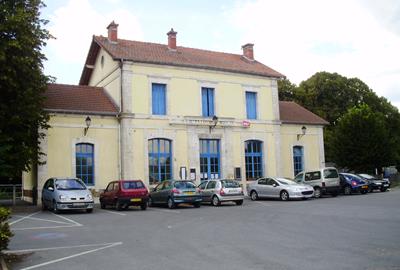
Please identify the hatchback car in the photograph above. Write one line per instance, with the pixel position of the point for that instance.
(375, 183)
(352, 183)
(174, 192)
(282, 188)
(123, 193)
(66, 194)
(217, 191)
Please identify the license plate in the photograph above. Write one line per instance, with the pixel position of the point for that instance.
(364, 187)
(386, 185)
(136, 200)
(78, 204)
(189, 193)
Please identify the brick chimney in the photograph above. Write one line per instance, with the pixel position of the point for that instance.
(172, 39)
(112, 32)
(248, 51)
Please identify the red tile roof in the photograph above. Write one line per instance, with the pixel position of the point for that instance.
(145, 52)
(79, 99)
(293, 113)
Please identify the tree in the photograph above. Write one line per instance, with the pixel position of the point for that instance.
(22, 84)
(287, 90)
(361, 140)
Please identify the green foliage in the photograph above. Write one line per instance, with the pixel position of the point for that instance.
(5, 232)
(361, 140)
(287, 90)
(22, 84)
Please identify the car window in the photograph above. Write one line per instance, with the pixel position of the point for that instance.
(159, 186)
(184, 185)
(230, 184)
(270, 182)
(211, 185)
(49, 183)
(330, 173)
(116, 186)
(203, 185)
(110, 187)
(262, 181)
(167, 185)
(69, 184)
(299, 177)
(132, 185)
(312, 176)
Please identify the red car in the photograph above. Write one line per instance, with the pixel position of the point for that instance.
(123, 193)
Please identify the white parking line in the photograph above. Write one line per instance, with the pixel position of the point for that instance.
(55, 248)
(67, 219)
(113, 212)
(47, 220)
(71, 256)
(25, 217)
(45, 227)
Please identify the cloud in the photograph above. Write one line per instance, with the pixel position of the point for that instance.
(299, 38)
(73, 26)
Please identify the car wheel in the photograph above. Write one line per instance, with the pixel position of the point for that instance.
(335, 193)
(383, 189)
(170, 203)
(89, 210)
(150, 202)
(347, 190)
(102, 205)
(364, 191)
(197, 205)
(143, 206)
(239, 202)
(55, 208)
(215, 201)
(284, 195)
(317, 192)
(253, 195)
(118, 206)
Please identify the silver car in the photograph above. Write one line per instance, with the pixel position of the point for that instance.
(217, 191)
(66, 194)
(282, 188)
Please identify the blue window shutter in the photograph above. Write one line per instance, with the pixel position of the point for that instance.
(251, 105)
(207, 101)
(158, 99)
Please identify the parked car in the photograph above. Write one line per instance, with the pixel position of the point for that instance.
(282, 188)
(174, 192)
(123, 193)
(324, 181)
(218, 191)
(66, 194)
(352, 183)
(375, 183)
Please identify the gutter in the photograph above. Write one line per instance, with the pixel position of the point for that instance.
(121, 65)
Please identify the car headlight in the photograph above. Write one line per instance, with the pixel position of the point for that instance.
(63, 198)
(89, 197)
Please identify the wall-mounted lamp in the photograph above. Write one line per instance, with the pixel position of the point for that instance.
(214, 122)
(303, 132)
(88, 121)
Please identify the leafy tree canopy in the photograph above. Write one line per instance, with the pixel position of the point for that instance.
(22, 84)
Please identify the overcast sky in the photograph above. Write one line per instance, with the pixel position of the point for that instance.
(355, 38)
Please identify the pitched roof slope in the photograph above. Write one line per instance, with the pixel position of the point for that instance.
(145, 52)
(293, 113)
(79, 99)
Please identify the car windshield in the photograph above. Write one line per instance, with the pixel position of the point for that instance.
(132, 185)
(353, 177)
(230, 184)
(286, 182)
(69, 184)
(330, 173)
(184, 185)
(367, 176)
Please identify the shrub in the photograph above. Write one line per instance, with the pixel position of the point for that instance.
(5, 232)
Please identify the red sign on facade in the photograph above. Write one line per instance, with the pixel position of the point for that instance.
(246, 123)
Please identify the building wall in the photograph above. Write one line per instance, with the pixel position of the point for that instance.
(59, 146)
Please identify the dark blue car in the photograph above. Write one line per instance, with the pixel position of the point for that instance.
(351, 183)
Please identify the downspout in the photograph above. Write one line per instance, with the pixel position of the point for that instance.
(121, 64)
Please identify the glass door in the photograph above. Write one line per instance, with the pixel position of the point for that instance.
(209, 159)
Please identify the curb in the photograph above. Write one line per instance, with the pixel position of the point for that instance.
(3, 263)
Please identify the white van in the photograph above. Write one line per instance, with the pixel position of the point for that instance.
(324, 181)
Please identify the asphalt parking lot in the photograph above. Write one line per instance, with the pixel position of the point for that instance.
(347, 232)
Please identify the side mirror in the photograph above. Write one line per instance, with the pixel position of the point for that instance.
(154, 189)
(50, 188)
(274, 185)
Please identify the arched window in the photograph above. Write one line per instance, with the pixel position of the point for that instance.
(84, 162)
(298, 159)
(253, 158)
(160, 160)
